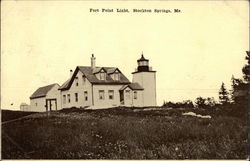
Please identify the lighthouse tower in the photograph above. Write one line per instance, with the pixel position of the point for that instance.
(146, 77)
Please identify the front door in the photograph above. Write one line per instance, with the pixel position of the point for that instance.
(121, 97)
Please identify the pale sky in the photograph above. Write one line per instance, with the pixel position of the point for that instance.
(192, 51)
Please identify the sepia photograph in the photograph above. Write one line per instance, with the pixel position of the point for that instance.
(125, 80)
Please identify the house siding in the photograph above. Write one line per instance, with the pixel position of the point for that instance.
(106, 102)
(54, 93)
(25, 108)
(138, 102)
(80, 89)
(128, 97)
(130, 100)
(37, 104)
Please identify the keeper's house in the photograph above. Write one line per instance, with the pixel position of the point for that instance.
(98, 87)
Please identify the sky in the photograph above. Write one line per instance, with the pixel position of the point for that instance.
(193, 51)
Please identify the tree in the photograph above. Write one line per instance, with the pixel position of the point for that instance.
(237, 87)
(187, 104)
(240, 90)
(232, 91)
(223, 94)
(200, 102)
(210, 101)
(246, 68)
(164, 103)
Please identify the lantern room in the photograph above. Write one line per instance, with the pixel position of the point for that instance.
(143, 65)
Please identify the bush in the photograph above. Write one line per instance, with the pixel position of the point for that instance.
(183, 104)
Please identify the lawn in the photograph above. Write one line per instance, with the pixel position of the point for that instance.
(8, 115)
(123, 133)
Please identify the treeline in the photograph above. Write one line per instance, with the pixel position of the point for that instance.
(200, 102)
(233, 102)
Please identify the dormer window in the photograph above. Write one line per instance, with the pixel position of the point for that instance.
(100, 73)
(102, 76)
(116, 76)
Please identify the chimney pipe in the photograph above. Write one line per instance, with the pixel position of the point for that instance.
(92, 61)
(71, 72)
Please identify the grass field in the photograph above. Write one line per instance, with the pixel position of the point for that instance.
(8, 115)
(124, 134)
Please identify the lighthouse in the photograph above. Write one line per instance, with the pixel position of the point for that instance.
(146, 77)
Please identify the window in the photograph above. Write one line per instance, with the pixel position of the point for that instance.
(102, 76)
(117, 76)
(135, 94)
(68, 98)
(86, 95)
(64, 99)
(101, 94)
(127, 94)
(83, 79)
(76, 80)
(111, 94)
(143, 63)
(76, 97)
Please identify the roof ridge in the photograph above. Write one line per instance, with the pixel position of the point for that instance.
(88, 71)
(97, 66)
(49, 85)
(42, 91)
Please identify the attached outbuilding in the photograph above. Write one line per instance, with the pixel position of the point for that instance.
(131, 95)
(46, 98)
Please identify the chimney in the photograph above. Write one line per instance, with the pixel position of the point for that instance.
(92, 61)
(71, 72)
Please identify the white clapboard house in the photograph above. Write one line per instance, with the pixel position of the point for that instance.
(99, 87)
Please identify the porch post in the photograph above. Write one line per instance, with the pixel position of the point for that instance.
(56, 103)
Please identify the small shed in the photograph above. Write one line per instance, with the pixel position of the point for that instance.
(24, 107)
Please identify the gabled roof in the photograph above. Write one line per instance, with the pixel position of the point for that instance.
(112, 70)
(133, 86)
(42, 91)
(23, 104)
(97, 70)
(65, 84)
(89, 72)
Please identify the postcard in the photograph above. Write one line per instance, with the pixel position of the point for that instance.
(126, 80)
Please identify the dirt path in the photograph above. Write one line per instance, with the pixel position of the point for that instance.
(20, 118)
